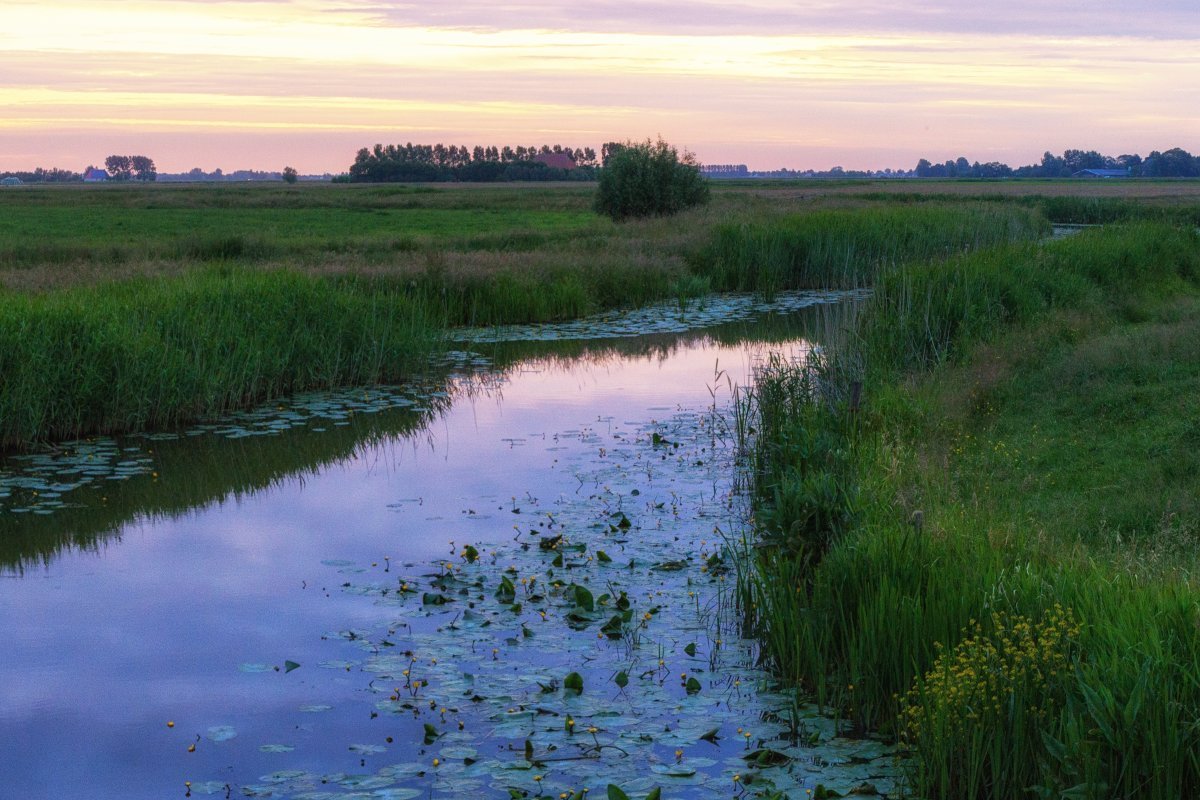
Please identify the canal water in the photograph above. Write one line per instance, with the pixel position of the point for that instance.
(513, 579)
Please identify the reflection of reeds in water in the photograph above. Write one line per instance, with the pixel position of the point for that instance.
(196, 471)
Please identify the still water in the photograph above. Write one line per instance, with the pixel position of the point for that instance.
(512, 580)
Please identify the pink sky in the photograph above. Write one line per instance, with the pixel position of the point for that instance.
(768, 83)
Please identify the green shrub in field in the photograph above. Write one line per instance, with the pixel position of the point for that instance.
(649, 179)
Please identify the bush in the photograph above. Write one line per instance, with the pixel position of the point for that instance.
(649, 179)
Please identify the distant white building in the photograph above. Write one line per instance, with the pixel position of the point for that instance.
(95, 175)
(11, 181)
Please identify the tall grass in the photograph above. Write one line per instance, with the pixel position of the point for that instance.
(847, 248)
(144, 354)
(1014, 661)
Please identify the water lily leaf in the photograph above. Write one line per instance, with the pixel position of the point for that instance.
(573, 683)
(603, 557)
(621, 679)
(615, 793)
(288, 666)
(766, 757)
(431, 734)
(252, 668)
(711, 735)
(673, 770)
(584, 599)
(692, 686)
(690, 649)
(221, 733)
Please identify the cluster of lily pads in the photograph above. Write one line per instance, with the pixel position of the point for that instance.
(594, 652)
(659, 318)
(40, 483)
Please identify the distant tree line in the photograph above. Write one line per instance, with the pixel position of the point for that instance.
(41, 175)
(1173, 163)
(421, 162)
(125, 168)
(197, 175)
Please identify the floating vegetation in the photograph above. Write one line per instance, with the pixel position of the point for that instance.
(659, 318)
(597, 646)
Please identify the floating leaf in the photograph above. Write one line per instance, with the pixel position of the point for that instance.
(673, 770)
(221, 733)
(621, 679)
(615, 793)
(288, 666)
(431, 734)
(573, 683)
(603, 557)
(584, 599)
(252, 668)
(766, 757)
(506, 593)
(692, 686)
(690, 649)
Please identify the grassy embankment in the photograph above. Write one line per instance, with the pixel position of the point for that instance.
(130, 308)
(994, 557)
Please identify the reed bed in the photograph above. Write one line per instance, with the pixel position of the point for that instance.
(851, 247)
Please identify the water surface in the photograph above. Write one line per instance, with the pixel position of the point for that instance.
(284, 603)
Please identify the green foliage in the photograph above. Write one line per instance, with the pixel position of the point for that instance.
(982, 493)
(649, 179)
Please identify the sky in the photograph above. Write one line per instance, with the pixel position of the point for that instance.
(861, 84)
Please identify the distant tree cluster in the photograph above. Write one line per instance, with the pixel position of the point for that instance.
(648, 179)
(125, 168)
(40, 175)
(1174, 163)
(420, 162)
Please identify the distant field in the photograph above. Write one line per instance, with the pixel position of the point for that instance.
(59, 236)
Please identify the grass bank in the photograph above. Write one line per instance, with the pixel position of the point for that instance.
(146, 354)
(994, 556)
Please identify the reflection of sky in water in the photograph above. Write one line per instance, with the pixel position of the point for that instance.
(104, 648)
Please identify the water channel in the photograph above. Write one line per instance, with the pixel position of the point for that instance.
(513, 580)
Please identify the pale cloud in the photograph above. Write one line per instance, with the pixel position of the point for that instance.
(768, 83)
